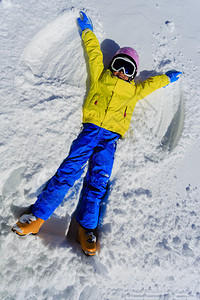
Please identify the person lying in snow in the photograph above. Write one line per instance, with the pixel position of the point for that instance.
(106, 118)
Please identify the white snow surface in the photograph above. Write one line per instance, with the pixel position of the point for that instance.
(150, 230)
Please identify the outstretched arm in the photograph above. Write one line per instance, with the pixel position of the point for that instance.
(153, 83)
(92, 46)
(148, 86)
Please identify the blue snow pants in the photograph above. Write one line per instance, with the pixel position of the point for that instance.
(97, 145)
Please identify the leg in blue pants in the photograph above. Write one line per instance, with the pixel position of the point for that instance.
(84, 147)
(97, 177)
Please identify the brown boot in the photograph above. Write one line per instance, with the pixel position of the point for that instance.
(27, 224)
(87, 239)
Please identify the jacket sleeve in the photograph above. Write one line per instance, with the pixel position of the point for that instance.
(94, 53)
(150, 85)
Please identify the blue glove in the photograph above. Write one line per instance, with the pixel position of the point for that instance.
(84, 22)
(173, 75)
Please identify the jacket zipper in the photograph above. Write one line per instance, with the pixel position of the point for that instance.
(107, 108)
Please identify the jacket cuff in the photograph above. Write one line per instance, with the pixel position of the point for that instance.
(85, 31)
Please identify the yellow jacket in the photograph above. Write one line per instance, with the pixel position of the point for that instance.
(111, 101)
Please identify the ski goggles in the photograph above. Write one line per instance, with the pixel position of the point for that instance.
(126, 65)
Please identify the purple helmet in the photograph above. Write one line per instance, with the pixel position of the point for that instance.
(128, 51)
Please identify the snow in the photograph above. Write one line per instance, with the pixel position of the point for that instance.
(150, 229)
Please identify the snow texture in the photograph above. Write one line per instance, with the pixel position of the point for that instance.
(150, 221)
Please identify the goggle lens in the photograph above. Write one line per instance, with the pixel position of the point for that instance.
(120, 63)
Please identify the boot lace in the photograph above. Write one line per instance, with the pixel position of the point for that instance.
(92, 237)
